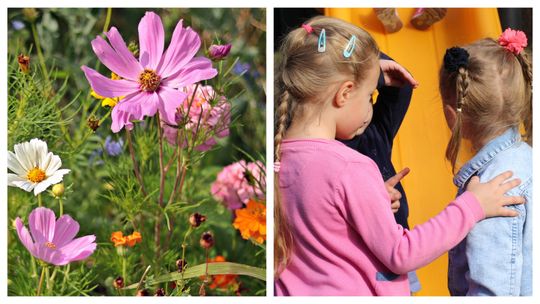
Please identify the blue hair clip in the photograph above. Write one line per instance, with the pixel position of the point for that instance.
(322, 41)
(347, 52)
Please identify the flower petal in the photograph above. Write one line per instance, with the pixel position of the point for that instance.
(15, 165)
(53, 163)
(24, 235)
(199, 68)
(66, 229)
(25, 185)
(12, 178)
(107, 87)
(169, 101)
(42, 186)
(25, 153)
(122, 51)
(57, 176)
(46, 254)
(184, 45)
(112, 60)
(119, 120)
(151, 40)
(78, 249)
(42, 224)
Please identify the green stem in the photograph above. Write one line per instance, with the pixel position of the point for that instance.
(107, 19)
(61, 206)
(124, 267)
(40, 53)
(65, 279)
(40, 202)
(50, 282)
(40, 284)
(184, 245)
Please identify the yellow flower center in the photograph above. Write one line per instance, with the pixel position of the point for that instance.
(36, 175)
(149, 80)
(50, 245)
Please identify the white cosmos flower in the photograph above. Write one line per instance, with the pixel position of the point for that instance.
(35, 168)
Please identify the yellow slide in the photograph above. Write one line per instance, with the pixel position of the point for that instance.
(422, 139)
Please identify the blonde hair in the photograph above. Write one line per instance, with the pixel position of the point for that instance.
(494, 93)
(303, 75)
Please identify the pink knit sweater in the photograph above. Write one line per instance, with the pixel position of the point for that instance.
(345, 236)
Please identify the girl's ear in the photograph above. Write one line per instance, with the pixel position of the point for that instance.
(344, 94)
(450, 114)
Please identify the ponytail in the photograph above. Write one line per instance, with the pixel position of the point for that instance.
(283, 239)
(462, 85)
(525, 63)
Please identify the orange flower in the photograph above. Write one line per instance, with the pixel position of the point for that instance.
(133, 239)
(222, 281)
(119, 239)
(251, 221)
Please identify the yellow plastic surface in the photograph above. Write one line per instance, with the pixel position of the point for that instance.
(422, 139)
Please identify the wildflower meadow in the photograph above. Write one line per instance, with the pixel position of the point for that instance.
(136, 152)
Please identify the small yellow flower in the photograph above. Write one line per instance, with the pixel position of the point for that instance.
(251, 221)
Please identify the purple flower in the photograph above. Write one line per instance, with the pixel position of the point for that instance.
(150, 83)
(240, 68)
(53, 241)
(218, 52)
(17, 25)
(113, 148)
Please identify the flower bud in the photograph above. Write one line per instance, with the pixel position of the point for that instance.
(93, 123)
(58, 190)
(218, 52)
(118, 283)
(30, 14)
(181, 264)
(24, 63)
(142, 293)
(196, 219)
(207, 240)
(159, 293)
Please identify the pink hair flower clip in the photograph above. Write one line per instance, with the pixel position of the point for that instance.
(512, 40)
(308, 28)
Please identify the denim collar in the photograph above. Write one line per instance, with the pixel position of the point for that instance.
(486, 154)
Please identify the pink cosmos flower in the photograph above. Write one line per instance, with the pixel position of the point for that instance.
(212, 120)
(239, 182)
(53, 241)
(514, 41)
(150, 83)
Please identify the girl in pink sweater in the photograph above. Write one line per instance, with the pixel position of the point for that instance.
(335, 231)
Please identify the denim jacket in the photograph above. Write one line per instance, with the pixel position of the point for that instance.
(495, 259)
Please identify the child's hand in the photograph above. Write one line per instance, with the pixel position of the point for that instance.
(491, 194)
(395, 75)
(395, 195)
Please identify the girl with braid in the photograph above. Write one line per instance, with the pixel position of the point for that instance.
(335, 231)
(486, 92)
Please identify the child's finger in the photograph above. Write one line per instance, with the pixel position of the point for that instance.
(392, 181)
(510, 185)
(514, 200)
(507, 212)
(407, 76)
(499, 179)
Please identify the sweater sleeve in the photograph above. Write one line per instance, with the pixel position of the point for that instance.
(365, 204)
(391, 106)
